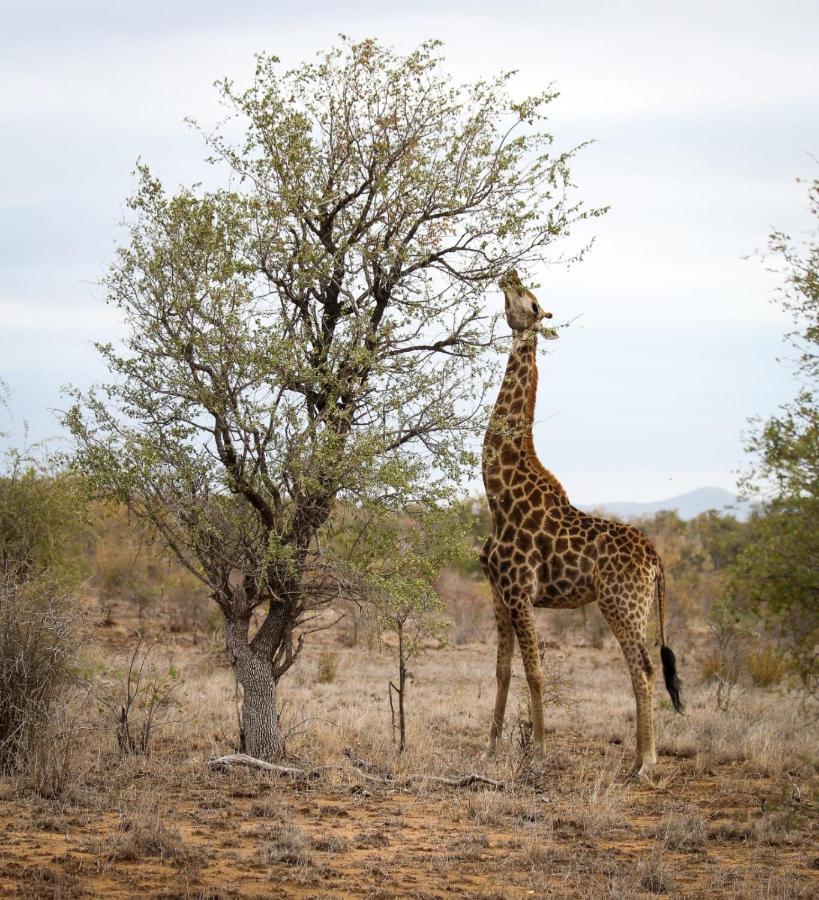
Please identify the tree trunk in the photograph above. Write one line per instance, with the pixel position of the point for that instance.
(260, 735)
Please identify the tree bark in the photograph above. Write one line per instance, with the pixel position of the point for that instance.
(260, 735)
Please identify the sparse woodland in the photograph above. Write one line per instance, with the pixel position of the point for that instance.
(262, 545)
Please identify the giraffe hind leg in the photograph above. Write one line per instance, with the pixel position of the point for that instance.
(628, 623)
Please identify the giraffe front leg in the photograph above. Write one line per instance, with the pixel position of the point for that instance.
(523, 621)
(506, 644)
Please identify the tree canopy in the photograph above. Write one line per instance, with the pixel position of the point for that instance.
(316, 331)
(777, 575)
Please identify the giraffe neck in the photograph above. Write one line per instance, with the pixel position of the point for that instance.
(508, 447)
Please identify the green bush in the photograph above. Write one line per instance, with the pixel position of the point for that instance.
(42, 519)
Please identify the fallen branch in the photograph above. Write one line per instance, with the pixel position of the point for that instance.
(242, 759)
(379, 779)
(460, 781)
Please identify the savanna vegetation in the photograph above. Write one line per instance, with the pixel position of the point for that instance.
(276, 470)
(127, 694)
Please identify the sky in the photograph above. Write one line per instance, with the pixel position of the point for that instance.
(703, 116)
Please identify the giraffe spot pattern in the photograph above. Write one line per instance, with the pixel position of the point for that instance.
(544, 552)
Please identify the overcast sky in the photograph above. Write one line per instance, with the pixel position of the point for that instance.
(704, 114)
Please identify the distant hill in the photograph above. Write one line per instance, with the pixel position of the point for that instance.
(687, 505)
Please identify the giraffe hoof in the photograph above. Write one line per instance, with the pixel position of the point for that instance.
(638, 773)
(535, 765)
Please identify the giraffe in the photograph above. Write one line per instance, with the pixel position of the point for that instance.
(543, 552)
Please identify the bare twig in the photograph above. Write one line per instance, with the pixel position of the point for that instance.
(242, 759)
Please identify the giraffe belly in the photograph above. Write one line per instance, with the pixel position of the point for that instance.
(557, 595)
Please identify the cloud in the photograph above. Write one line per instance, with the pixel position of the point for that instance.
(703, 112)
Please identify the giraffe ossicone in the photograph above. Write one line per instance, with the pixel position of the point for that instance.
(543, 552)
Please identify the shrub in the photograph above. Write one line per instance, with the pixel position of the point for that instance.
(327, 666)
(42, 518)
(729, 640)
(653, 873)
(469, 605)
(287, 844)
(144, 833)
(37, 646)
(595, 626)
(139, 698)
(557, 692)
(765, 665)
(683, 831)
(129, 569)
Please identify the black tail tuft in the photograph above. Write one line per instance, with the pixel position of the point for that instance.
(672, 682)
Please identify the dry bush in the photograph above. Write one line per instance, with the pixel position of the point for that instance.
(564, 621)
(139, 698)
(766, 666)
(189, 609)
(596, 806)
(355, 625)
(739, 830)
(42, 881)
(268, 808)
(469, 607)
(683, 831)
(469, 847)
(777, 828)
(285, 843)
(119, 576)
(539, 854)
(728, 649)
(558, 693)
(327, 667)
(493, 808)
(769, 735)
(596, 628)
(144, 832)
(653, 872)
(333, 843)
(128, 570)
(37, 647)
(57, 764)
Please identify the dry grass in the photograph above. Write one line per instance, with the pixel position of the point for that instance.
(731, 810)
(683, 831)
(766, 666)
(143, 832)
(327, 667)
(284, 843)
(653, 872)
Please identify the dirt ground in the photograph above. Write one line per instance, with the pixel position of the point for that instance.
(731, 810)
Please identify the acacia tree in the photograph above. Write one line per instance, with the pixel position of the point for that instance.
(314, 336)
(776, 577)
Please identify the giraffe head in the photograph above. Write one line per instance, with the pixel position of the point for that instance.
(523, 312)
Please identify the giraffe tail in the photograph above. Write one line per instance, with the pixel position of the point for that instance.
(672, 681)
